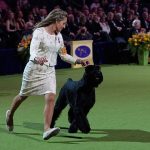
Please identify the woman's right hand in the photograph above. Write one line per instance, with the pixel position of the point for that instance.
(40, 60)
(82, 62)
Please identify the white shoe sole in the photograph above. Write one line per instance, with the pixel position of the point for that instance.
(50, 133)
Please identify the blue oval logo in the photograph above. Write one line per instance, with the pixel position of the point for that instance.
(82, 51)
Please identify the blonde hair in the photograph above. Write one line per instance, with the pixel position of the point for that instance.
(52, 17)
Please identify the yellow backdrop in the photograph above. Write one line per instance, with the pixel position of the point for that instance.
(82, 50)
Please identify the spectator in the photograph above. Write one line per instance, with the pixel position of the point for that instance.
(11, 29)
(96, 29)
(3, 5)
(105, 32)
(30, 23)
(129, 20)
(11, 24)
(83, 34)
(69, 10)
(43, 13)
(36, 14)
(20, 20)
(100, 12)
(136, 28)
(95, 4)
(144, 21)
(104, 24)
(72, 26)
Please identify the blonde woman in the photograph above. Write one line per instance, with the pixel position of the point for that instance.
(39, 74)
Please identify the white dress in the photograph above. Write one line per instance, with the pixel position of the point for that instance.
(41, 79)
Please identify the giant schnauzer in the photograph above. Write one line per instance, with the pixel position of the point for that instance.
(80, 96)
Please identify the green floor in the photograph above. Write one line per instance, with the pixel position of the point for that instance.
(120, 119)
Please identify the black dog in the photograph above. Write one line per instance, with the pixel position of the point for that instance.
(80, 96)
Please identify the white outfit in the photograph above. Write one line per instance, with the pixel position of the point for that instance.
(105, 27)
(41, 79)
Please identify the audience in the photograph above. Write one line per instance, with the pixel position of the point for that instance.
(101, 21)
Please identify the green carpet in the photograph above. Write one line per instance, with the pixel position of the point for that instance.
(120, 118)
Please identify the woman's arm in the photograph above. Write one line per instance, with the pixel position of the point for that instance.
(68, 58)
(35, 46)
(8, 26)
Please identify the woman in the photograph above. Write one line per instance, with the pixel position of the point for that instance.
(39, 74)
(20, 20)
(12, 30)
(11, 24)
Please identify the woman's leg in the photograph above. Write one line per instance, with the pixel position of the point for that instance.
(48, 110)
(48, 114)
(10, 113)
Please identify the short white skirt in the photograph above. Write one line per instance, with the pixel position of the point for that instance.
(38, 80)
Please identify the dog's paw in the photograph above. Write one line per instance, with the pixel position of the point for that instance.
(73, 129)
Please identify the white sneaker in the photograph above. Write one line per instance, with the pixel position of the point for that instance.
(51, 132)
(9, 127)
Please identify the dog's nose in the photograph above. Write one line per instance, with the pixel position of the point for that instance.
(97, 78)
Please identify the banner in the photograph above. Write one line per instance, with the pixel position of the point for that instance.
(82, 50)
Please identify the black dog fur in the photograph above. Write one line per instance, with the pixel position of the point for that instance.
(80, 96)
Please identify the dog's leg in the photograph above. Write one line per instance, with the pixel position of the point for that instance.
(73, 125)
(60, 104)
(86, 110)
(70, 115)
(90, 103)
(81, 121)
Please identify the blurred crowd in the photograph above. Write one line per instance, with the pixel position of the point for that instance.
(98, 20)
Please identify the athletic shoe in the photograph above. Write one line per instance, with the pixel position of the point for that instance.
(8, 126)
(51, 132)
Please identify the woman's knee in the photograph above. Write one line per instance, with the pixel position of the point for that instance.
(21, 98)
(50, 98)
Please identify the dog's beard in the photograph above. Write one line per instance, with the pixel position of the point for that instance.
(95, 81)
(96, 84)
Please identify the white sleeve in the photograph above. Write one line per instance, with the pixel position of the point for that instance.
(63, 53)
(68, 58)
(35, 43)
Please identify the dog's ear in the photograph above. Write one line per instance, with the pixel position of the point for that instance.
(91, 68)
(97, 67)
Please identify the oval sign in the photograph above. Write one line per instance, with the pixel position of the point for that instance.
(82, 51)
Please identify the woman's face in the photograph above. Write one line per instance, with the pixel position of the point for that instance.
(61, 25)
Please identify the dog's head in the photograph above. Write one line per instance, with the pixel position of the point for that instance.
(93, 75)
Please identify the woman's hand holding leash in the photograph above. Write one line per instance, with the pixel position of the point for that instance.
(82, 62)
